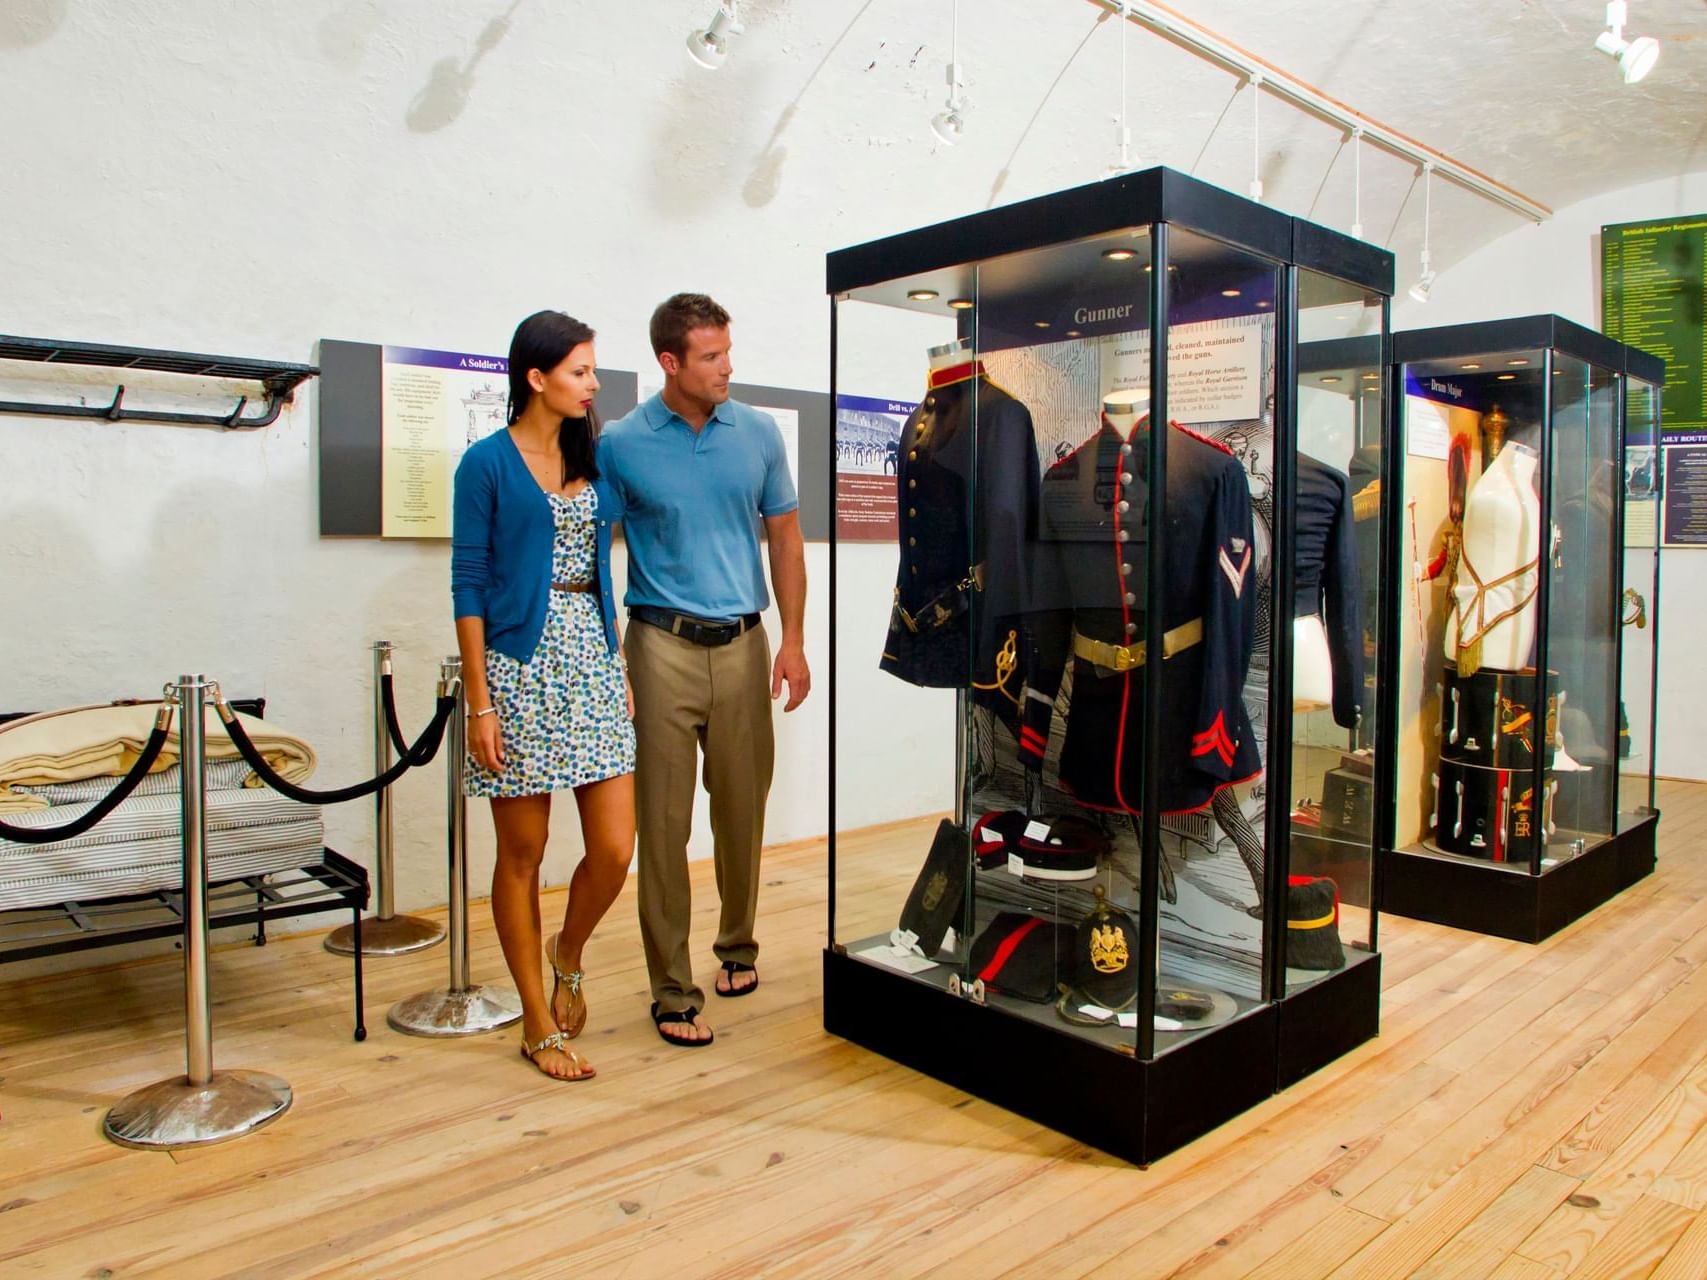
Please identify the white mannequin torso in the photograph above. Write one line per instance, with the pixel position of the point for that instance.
(1501, 546)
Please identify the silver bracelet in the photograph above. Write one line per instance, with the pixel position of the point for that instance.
(489, 711)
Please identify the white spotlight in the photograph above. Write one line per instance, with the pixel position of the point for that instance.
(950, 122)
(1425, 282)
(709, 47)
(1635, 57)
(947, 125)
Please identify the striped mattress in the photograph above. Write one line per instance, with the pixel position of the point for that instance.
(138, 847)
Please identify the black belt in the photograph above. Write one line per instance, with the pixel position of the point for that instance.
(694, 630)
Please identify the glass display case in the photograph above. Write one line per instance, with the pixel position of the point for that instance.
(1525, 699)
(1128, 897)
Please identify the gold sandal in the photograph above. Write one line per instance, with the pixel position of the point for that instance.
(559, 1041)
(577, 1019)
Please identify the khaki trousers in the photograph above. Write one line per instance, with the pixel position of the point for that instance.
(689, 699)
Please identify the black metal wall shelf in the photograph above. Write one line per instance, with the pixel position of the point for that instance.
(277, 379)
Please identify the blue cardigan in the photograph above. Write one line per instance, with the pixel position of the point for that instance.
(500, 547)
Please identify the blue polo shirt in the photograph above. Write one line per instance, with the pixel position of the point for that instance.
(691, 505)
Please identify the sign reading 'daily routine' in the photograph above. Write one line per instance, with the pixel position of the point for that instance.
(433, 405)
(1653, 297)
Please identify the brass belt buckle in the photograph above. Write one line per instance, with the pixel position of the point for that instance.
(1124, 658)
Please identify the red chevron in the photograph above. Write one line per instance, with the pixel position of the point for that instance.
(1216, 739)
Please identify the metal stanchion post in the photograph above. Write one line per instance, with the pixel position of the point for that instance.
(387, 933)
(463, 1008)
(202, 1105)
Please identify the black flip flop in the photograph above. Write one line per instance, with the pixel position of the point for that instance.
(679, 1015)
(733, 967)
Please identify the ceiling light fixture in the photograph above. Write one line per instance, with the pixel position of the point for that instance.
(1330, 380)
(950, 122)
(962, 304)
(1357, 184)
(1122, 135)
(1120, 255)
(1507, 377)
(1515, 363)
(1635, 57)
(1425, 282)
(1470, 365)
(709, 46)
(1040, 324)
(1229, 293)
(1256, 136)
(922, 295)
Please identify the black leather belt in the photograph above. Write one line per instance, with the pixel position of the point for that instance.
(694, 630)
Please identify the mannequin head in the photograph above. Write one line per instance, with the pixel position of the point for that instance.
(690, 337)
(1125, 408)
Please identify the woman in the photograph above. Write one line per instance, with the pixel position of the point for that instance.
(542, 666)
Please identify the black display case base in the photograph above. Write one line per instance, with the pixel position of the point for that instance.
(1129, 1108)
(1485, 898)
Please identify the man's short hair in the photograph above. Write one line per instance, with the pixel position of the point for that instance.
(676, 315)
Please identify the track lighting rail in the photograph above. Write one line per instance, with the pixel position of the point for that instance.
(1206, 44)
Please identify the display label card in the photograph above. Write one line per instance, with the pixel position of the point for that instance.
(1016, 865)
(1096, 1011)
(891, 958)
(1164, 1024)
(1038, 831)
(1428, 430)
(433, 405)
(1130, 1021)
(1215, 368)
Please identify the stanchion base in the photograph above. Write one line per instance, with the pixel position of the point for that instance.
(175, 1113)
(397, 936)
(443, 1012)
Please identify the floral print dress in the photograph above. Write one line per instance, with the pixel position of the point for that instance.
(562, 714)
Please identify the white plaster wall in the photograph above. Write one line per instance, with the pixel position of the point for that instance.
(1555, 267)
(249, 179)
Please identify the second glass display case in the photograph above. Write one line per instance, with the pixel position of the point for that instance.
(1524, 703)
(1106, 636)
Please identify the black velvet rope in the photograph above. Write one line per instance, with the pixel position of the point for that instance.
(424, 749)
(395, 729)
(77, 826)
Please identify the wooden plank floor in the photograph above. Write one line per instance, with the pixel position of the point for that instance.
(1529, 1113)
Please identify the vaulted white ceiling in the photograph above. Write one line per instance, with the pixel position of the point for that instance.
(1510, 87)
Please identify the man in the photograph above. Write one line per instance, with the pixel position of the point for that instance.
(697, 472)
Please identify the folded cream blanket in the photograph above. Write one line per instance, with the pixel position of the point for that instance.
(105, 741)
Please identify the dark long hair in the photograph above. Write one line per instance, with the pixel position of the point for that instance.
(543, 341)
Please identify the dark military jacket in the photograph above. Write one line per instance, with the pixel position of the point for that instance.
(1325, 577)
(1089, 577)
(964, 545)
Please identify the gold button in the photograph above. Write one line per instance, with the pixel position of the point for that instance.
(1123, 535)
(913, 511)
(913, 456)
(930, 402)
(1125, 477)
(912, 484)
(1125, 506)
(915, 571)
(1131, 627)
(1131, 599)
(1125, 450)
(1125, 569)
(912, 542)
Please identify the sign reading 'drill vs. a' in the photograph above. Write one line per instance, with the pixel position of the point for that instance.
(434, 404)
